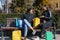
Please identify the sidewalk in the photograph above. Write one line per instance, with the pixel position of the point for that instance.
(57, 37)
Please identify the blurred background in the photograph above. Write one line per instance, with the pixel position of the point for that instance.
(16, 8)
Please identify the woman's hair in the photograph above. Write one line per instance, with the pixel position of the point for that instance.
(28, 10)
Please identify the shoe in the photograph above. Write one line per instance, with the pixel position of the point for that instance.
(34, 32)
(54, 38)
(42, 36)
(24, 38)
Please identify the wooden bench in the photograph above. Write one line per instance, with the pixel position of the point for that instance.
(9, 28)
(10, 20)
(8, 24)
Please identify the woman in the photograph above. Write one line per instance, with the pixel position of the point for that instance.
(27, 21)
(46, 19)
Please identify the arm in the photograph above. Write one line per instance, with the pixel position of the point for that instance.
(48, 15)
(42, 16)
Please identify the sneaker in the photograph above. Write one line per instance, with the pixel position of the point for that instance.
(54, 38)
(34, 32)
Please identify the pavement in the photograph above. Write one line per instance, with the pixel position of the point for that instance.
(34, 38)
(57, 38)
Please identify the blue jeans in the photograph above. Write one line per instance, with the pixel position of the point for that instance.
(26, 26)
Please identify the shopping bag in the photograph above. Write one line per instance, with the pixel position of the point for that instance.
(16, 21)
(36, 22)
(16, 35)
(48, 35)
(20, 23)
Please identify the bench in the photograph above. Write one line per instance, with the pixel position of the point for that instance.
(9, 28)
(10, 20)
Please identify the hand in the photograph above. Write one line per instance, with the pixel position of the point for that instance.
(42, 16)
(33, 19)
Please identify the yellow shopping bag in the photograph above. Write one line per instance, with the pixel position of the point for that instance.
(16, 35)
(36, 22)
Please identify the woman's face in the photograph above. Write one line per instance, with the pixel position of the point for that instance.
(44, 8)
(31, 11)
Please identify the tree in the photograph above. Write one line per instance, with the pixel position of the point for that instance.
(44, 2)
(17, 5)
(20, 5)
(37, 2)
